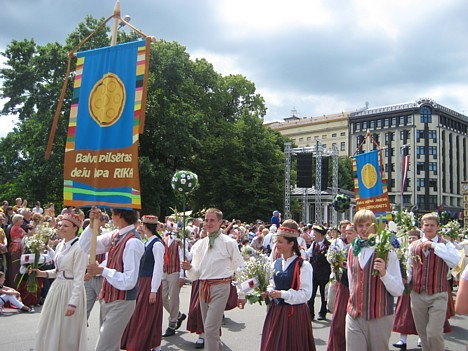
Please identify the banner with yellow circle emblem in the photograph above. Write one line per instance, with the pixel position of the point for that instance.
(370, 185)
(101, 153)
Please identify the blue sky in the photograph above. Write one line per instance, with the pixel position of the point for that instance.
(317, 57)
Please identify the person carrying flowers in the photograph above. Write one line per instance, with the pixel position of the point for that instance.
(373, 282)
(288, 324)
(429, 263)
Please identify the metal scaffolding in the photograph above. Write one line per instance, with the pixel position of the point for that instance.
(318, 151)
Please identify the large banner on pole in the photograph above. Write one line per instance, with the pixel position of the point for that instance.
(370, 185)
(101, 152)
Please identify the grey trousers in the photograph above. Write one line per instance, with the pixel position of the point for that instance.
(368, 335)
(212, 315)
(171, 297)
(93, 288)
(115, 316)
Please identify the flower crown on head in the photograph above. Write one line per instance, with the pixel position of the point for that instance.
(287, 232)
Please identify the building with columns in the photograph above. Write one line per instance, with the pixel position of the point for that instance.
(436, 139)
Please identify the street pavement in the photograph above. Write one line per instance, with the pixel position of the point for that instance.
(241, 330)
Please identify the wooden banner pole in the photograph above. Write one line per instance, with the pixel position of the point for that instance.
(116, 23)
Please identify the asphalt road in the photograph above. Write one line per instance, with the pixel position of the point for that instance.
(241, 330)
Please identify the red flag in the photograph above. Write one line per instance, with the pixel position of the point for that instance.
(404, 172)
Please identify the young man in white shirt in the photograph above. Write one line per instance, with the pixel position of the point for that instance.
(215, 258)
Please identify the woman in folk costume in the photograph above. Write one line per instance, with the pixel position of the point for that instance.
(337, 338)
(144, 330)
(62, 325)
(288, 325)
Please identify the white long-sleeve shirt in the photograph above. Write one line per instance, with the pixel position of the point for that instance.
(134, 250)
(291, 296)
(448, 252)
(392, 279)
(221, 261)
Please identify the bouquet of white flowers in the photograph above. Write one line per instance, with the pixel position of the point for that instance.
(253, 280)
(337, 259)
(35, 245)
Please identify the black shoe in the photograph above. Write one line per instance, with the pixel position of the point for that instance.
(321, 317)
(419, 343)
(400, 345)
(180, 320)
(169, 332)
(200, 343)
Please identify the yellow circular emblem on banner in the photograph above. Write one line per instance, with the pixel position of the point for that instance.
(107, 100)
(369, 175)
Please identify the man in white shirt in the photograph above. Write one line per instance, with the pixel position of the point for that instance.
(119, 287)
(215, 258)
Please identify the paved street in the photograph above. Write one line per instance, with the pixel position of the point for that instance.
(241, 330)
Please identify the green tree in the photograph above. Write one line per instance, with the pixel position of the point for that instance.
(196, 119)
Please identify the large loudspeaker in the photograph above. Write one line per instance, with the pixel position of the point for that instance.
(324, 180)
(304, 170)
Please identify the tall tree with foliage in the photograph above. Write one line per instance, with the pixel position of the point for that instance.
(196, 119)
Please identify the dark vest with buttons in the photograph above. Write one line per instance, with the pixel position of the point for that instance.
(283, 279)
(147, 261)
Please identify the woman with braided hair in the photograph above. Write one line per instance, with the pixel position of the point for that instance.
(288, 325)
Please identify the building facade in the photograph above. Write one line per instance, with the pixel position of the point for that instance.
(436, 139)
(331, 130)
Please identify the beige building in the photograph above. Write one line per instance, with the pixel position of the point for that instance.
(329, 129)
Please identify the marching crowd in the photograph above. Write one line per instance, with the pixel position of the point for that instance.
(141, 263)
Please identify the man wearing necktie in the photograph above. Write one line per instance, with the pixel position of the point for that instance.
(119, 287)
(215, 258)
(369, 316)
(321, 269)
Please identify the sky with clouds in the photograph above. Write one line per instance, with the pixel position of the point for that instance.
(314, 56)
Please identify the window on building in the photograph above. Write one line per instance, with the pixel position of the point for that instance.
(334, 135)
(409, 120)
(432, 201)
(406, 199)
(301, 139)
(426, 114)
(324, 146)
(433, 152)
(391, 198)
(420, 166)
(372, 125)
(394, 120)
(433, 135)
(419, 135)
(379, 123)
(402, 121)
(308, 138)
(387, 122)
(357, 126)
(364, 125)
(433, 184)
(419, 151)
(324, 136)
(334, 145)
(420, 183)
(342, 147)
(343, 134)
(433, 167)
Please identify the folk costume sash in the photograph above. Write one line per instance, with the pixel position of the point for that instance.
(429, 272)
(115, 261)
(205, 293)
(368, 296)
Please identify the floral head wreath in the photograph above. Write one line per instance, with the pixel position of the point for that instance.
(73, 218)
(287, 232)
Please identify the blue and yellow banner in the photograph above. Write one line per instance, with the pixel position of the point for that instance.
(370, 185)
(101, 152)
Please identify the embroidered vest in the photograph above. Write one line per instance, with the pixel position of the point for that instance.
(147, 261)
(115, 261)
(368, 298)
(283, 279)
(173, 257)
(429, 272)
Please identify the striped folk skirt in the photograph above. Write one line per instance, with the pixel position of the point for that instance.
(337, 338)
(194, 320)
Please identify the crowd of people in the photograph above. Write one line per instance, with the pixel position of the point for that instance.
(139, 264)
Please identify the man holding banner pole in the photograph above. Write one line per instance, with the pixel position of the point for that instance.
(119, 289)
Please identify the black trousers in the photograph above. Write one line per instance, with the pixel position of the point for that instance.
(323, 309)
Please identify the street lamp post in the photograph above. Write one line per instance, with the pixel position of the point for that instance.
(403, 174)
